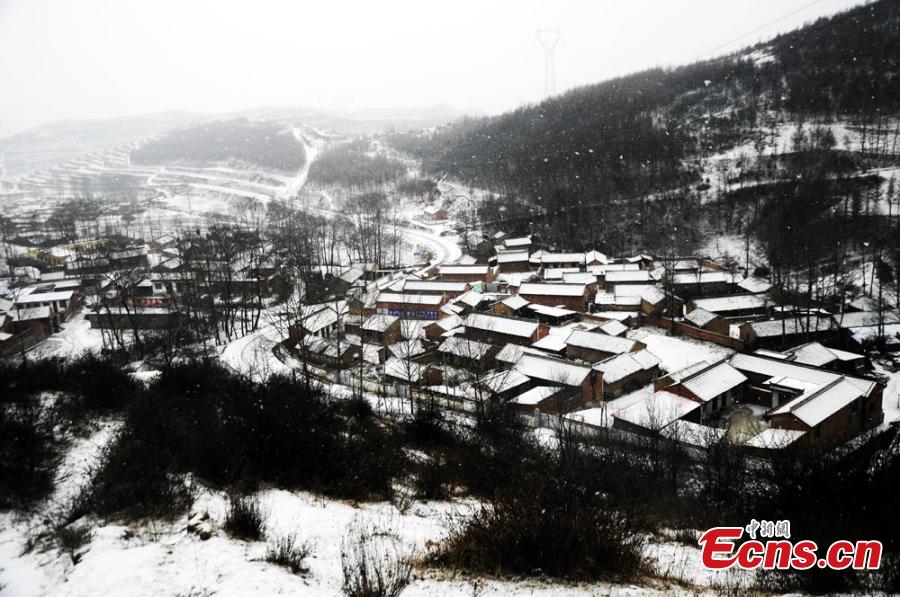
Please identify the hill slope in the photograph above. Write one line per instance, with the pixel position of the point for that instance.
(592, 157)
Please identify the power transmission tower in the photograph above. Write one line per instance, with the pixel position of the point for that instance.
(548, 38)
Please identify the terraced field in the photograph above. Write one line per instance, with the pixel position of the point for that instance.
(169, 196)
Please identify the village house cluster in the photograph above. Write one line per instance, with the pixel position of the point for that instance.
(571, 335)
(579, 335)
(124, 287)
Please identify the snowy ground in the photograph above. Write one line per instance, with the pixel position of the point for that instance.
(76, 337)
(163, 558)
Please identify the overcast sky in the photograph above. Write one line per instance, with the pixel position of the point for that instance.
(96, 58)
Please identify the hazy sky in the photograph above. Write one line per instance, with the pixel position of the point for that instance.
(95, 58)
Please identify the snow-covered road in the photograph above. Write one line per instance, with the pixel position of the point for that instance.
(252, 355)
(442, 248)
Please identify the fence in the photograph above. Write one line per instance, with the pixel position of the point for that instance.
(22, 341)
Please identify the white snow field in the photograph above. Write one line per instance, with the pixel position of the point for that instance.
(162, 558)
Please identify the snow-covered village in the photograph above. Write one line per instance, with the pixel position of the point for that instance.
(563, 349)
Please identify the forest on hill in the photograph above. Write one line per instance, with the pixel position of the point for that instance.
(238, 141)
(354, 166)
(621, 164)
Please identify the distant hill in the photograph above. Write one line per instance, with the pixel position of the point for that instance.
(358, 122)
(227, 142)
(57, 142)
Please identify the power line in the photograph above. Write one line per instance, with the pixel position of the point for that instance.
(760, 28)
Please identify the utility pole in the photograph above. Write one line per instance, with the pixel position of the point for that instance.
(548, 38)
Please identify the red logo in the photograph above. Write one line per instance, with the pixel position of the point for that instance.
(721, 549)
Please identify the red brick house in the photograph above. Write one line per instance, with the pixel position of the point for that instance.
(568, 296)
(498, 330)
(583, 383)
(466, 273)
(513, 261)
(594, 346)
(435, 213)
(411, 306)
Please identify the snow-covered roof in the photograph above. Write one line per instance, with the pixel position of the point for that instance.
(44, 297)
(755, 285)
(793, 325)
(535, 395)
(410, 299)
(812, 353)
(684, 373)
(324, 346)
(593, 256)
(780, 369)
(515, 302)
(53, 276)
(601, 270)
(502, 381)
(579, 278)
(613, 328)
(657, 411)
(407, 348)
(551, 311)
(774, 438)
(629, 290)
(512, 256)
(406, 370)
(864, 303)
(615, 315)
(700, 317)
(815, 407)
(600, 342)
(609, 298)
(734, 302)
(501, 325)
(412, 328)
(551, 342)
(858, 319)
(653, 295)
(433, 286)
(714, 381)
(552, 289)
(352, 275)
(379, 322)
(479, 270)
(367, 300)
(29, 314)
(620, 366)
(510, 353)
(632, 276)
(462, 347)
(562, 258)
(449, 322)
(452, 309)
(551, 369)
(703, 278)
(319, 320)
(522, 241)
(557, 273)
(686, 264)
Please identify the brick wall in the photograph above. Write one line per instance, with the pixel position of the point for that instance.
(694, 332)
